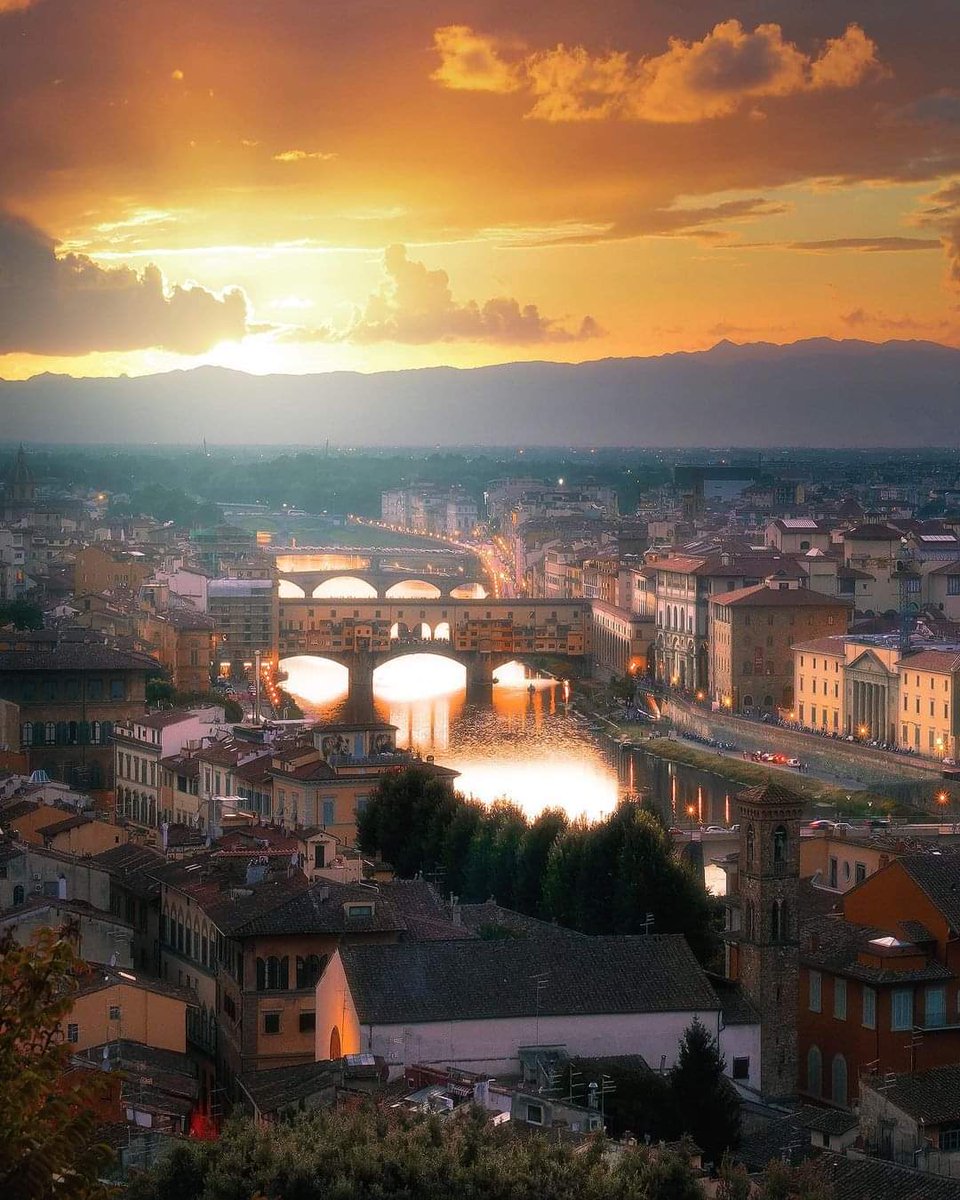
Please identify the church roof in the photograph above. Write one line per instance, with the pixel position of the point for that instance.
(771, 794)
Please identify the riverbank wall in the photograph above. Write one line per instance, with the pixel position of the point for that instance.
(895, 775)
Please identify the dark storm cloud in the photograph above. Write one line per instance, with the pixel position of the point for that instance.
(68, 304)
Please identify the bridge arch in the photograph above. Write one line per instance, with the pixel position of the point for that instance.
(436, 672)
(412, 589)
(469, 591)
(344, 587)
(316, 678)
(288, 590)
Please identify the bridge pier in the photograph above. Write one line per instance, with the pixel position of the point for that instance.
(479, 678)
(360, 695)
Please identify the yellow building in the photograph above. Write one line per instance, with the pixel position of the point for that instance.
(820, 681)
(110, 1005)
(863, 686)
(101, 568)
(929, 681)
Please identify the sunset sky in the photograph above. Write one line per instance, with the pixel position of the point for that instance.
(307, 185)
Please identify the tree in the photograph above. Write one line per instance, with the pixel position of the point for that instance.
(370, 1155)
(703, 1096)
(401, 810)
(534, 853)
(21, 614)
(47, 1121)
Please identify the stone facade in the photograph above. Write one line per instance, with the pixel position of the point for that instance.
(767, 959)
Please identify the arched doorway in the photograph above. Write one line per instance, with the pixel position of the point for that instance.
(334, 1042)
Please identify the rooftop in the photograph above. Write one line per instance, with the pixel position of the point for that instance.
(445, 981)
(762, 595)
(930, 1097)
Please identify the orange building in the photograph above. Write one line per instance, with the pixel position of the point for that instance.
(99, 568)
(112, 1005)
(880, 987)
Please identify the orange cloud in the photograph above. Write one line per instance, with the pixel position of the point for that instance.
(291, 156)
(472, 62)
(726, 70)
(7, 6)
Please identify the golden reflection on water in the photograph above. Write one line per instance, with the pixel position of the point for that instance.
(289, 563)
(521, 747)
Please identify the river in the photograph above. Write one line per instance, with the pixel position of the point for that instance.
(526, 745)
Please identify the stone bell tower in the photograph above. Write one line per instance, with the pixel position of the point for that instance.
(768, 959)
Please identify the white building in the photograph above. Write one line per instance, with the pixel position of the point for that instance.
(475, 1004)
(139, 747)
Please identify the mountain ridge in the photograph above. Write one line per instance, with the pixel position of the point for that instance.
(814, 392)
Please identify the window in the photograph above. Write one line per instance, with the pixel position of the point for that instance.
(833, 871)
(329, 816)
(73, 1033)
(308, 1022)
(869, 1008)
(751, 839)
(839, 1080)
(271, 1022)
(814, 1071)
(949, 1137)
(114, 1012)
(534, 1114)
(780, 844)
(778, 929)
(859, 872)
(230, 1008)
(309, 970)
(840, 999)
(901, 1009)
(741, 1068)
(935, 1007)
(359, 910)
(815, 991)
(117, 690)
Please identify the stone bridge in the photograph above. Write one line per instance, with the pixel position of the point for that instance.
(481, 634)
(339, 573)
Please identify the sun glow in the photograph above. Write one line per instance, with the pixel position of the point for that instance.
(418, 677)
(315, 680)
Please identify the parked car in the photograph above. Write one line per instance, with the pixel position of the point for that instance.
(821, 824)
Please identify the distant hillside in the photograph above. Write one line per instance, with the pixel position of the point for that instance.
(812, 393)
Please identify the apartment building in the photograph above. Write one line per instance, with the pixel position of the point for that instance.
(880, 987)
(141, 744)
(752, 633)
(246, 613)
(72, 689)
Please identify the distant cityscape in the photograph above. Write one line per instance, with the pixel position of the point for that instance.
(766, 650)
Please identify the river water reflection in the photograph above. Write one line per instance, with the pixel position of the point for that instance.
(524, 746)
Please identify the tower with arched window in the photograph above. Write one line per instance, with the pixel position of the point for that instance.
(767, 953)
